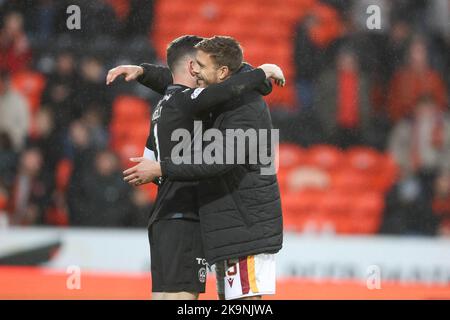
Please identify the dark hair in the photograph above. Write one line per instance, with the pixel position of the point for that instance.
(225, 51)
(179, 48)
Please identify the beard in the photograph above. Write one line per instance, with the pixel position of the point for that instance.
(201, 83)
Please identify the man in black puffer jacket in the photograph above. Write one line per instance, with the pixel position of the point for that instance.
(240, 209)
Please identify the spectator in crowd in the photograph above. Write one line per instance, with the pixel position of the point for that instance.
(46, 139)
(61, 86)
(414, 80)
(343, 105)
(314, 46)
(420, 144)
(141, 206)
(103, 198)
(408, 209)
(441, 202)
(92, 89)
(31, 192)
(14, 113)
(15, 52)
(80, 150)
(93, 119)
(8, 160)
(391, 51)
(41, 19)
(396, 47)
(140, 18)
(438, 16)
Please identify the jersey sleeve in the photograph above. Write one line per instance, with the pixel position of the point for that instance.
(265, 88)
(155, 77)
(224, 152)
(206, 99)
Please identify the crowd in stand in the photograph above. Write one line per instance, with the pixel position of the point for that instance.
(385, 88)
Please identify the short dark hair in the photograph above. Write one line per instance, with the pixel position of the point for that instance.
(224, 50)
(179, 48)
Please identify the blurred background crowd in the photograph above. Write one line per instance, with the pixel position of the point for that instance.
(364, 122)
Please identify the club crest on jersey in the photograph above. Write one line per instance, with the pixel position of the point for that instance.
(196, 93)
(202, 275)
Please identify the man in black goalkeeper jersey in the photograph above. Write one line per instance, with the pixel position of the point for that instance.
(178, 264)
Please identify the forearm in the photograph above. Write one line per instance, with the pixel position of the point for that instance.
(155, 77)
(235, 86)
(265, 88)
(191, 172)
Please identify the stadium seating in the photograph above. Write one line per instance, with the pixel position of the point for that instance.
(350, 180)
(129, 127)
(289, 156)
(264, 30)
(327, 157)
(353, 201)
(364, 158)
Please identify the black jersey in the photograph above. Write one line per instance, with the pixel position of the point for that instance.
(178, 109)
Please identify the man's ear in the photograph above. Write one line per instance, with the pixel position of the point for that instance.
(224, 73)
(191, 68)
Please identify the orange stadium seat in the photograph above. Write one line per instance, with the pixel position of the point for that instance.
(309, 201)
(335, 206)
(327, 157)
(173, 8)
(289, 156)
(336, 203)
(366, 213)
(299, 4)
(290, 221)
(301, 207)
(387, 175)
(363, 158)
(130, 109)
(282, 97)
(129, 150)
(129, 127)
(368, 204)
(31, 84)
(282, 177)
(121, 8)
(350, 180)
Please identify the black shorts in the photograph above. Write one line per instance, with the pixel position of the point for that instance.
(177, 258)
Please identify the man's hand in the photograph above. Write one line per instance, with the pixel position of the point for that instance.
(129, 71)
(144, 172)
(274, 72)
